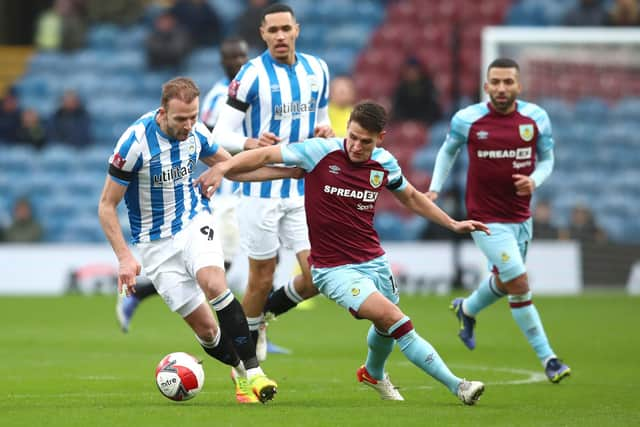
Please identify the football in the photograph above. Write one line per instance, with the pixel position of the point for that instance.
(179, 376)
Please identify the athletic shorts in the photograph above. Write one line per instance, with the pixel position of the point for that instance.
(266, 223)
(226, 224)
(171, 263)
(351, 284)
(505, 248)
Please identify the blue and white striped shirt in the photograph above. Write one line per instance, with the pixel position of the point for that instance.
(213, 102)
(287, 100)
(158, 173)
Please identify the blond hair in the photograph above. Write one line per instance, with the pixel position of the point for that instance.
(182, 88)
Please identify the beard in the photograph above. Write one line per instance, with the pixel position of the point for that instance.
(503, 106)
(178, 134)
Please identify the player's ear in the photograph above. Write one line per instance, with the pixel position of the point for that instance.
(485, 87)
(381, 137)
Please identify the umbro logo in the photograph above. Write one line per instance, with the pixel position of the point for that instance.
(334, 169)
(483, 134)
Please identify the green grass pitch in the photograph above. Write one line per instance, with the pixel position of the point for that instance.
(65, 363)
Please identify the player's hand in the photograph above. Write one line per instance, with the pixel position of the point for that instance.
(524, 184)
(432, 195)
(128, 269)
(268, 138)
(323, 131)
(297, 173)
(470, 225)
(209, 181)
(265, 140)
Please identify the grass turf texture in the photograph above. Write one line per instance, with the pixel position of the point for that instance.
(65, 363)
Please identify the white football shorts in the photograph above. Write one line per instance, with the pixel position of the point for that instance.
(266, 223)
(171, 263)
(226, 224)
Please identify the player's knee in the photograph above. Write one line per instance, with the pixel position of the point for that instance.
(208, 335)
(206, 331)
(213, 289)
(400, 327)
(392, 318)
(517, 286)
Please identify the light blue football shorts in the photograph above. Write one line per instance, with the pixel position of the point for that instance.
(506, 247)
(351, 284)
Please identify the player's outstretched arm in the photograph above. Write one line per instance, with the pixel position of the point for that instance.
(128, 266)
(422, 205)
(246, 161)
(266, 173)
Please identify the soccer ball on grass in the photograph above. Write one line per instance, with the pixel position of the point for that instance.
(179, 376)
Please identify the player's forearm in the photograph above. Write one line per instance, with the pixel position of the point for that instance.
(111, 226)
(444, 162)
(248, 161)
(265, 173)
(226, 133)
(421, 205)
(544, 167)
(429, 210)
(231, 141)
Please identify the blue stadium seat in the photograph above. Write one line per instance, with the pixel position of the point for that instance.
(559, 110)
(616, 227)
(48, 61)
(425, 158)
(626, 109)
(133, 37)
(354, 36)
(388, 226)
(526, 13)
(126, 61)
(394, 227)
(20, 158)
(205, 59)
(102, 36)
(34, 85)
(438, 132)
(228, 11)
(591, 109)
(340, 60)
(59, 158)
(312, 39)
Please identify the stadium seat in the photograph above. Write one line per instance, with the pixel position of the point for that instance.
(408, 133)
(424, 159)
(526, 13)
(61, 158)
(626, 109)
(102, 37)
(558, 109)
(591, 109)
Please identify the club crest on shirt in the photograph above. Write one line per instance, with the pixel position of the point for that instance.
(505, 257)
(313, 83)
(375, 179)
(355, 292)
(233, 88)
(118, 161)
(526, 132)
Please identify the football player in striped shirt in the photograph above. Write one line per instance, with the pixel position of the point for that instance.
(279, 97)
(172, 227)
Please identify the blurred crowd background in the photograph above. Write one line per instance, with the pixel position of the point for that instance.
(75, 73)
